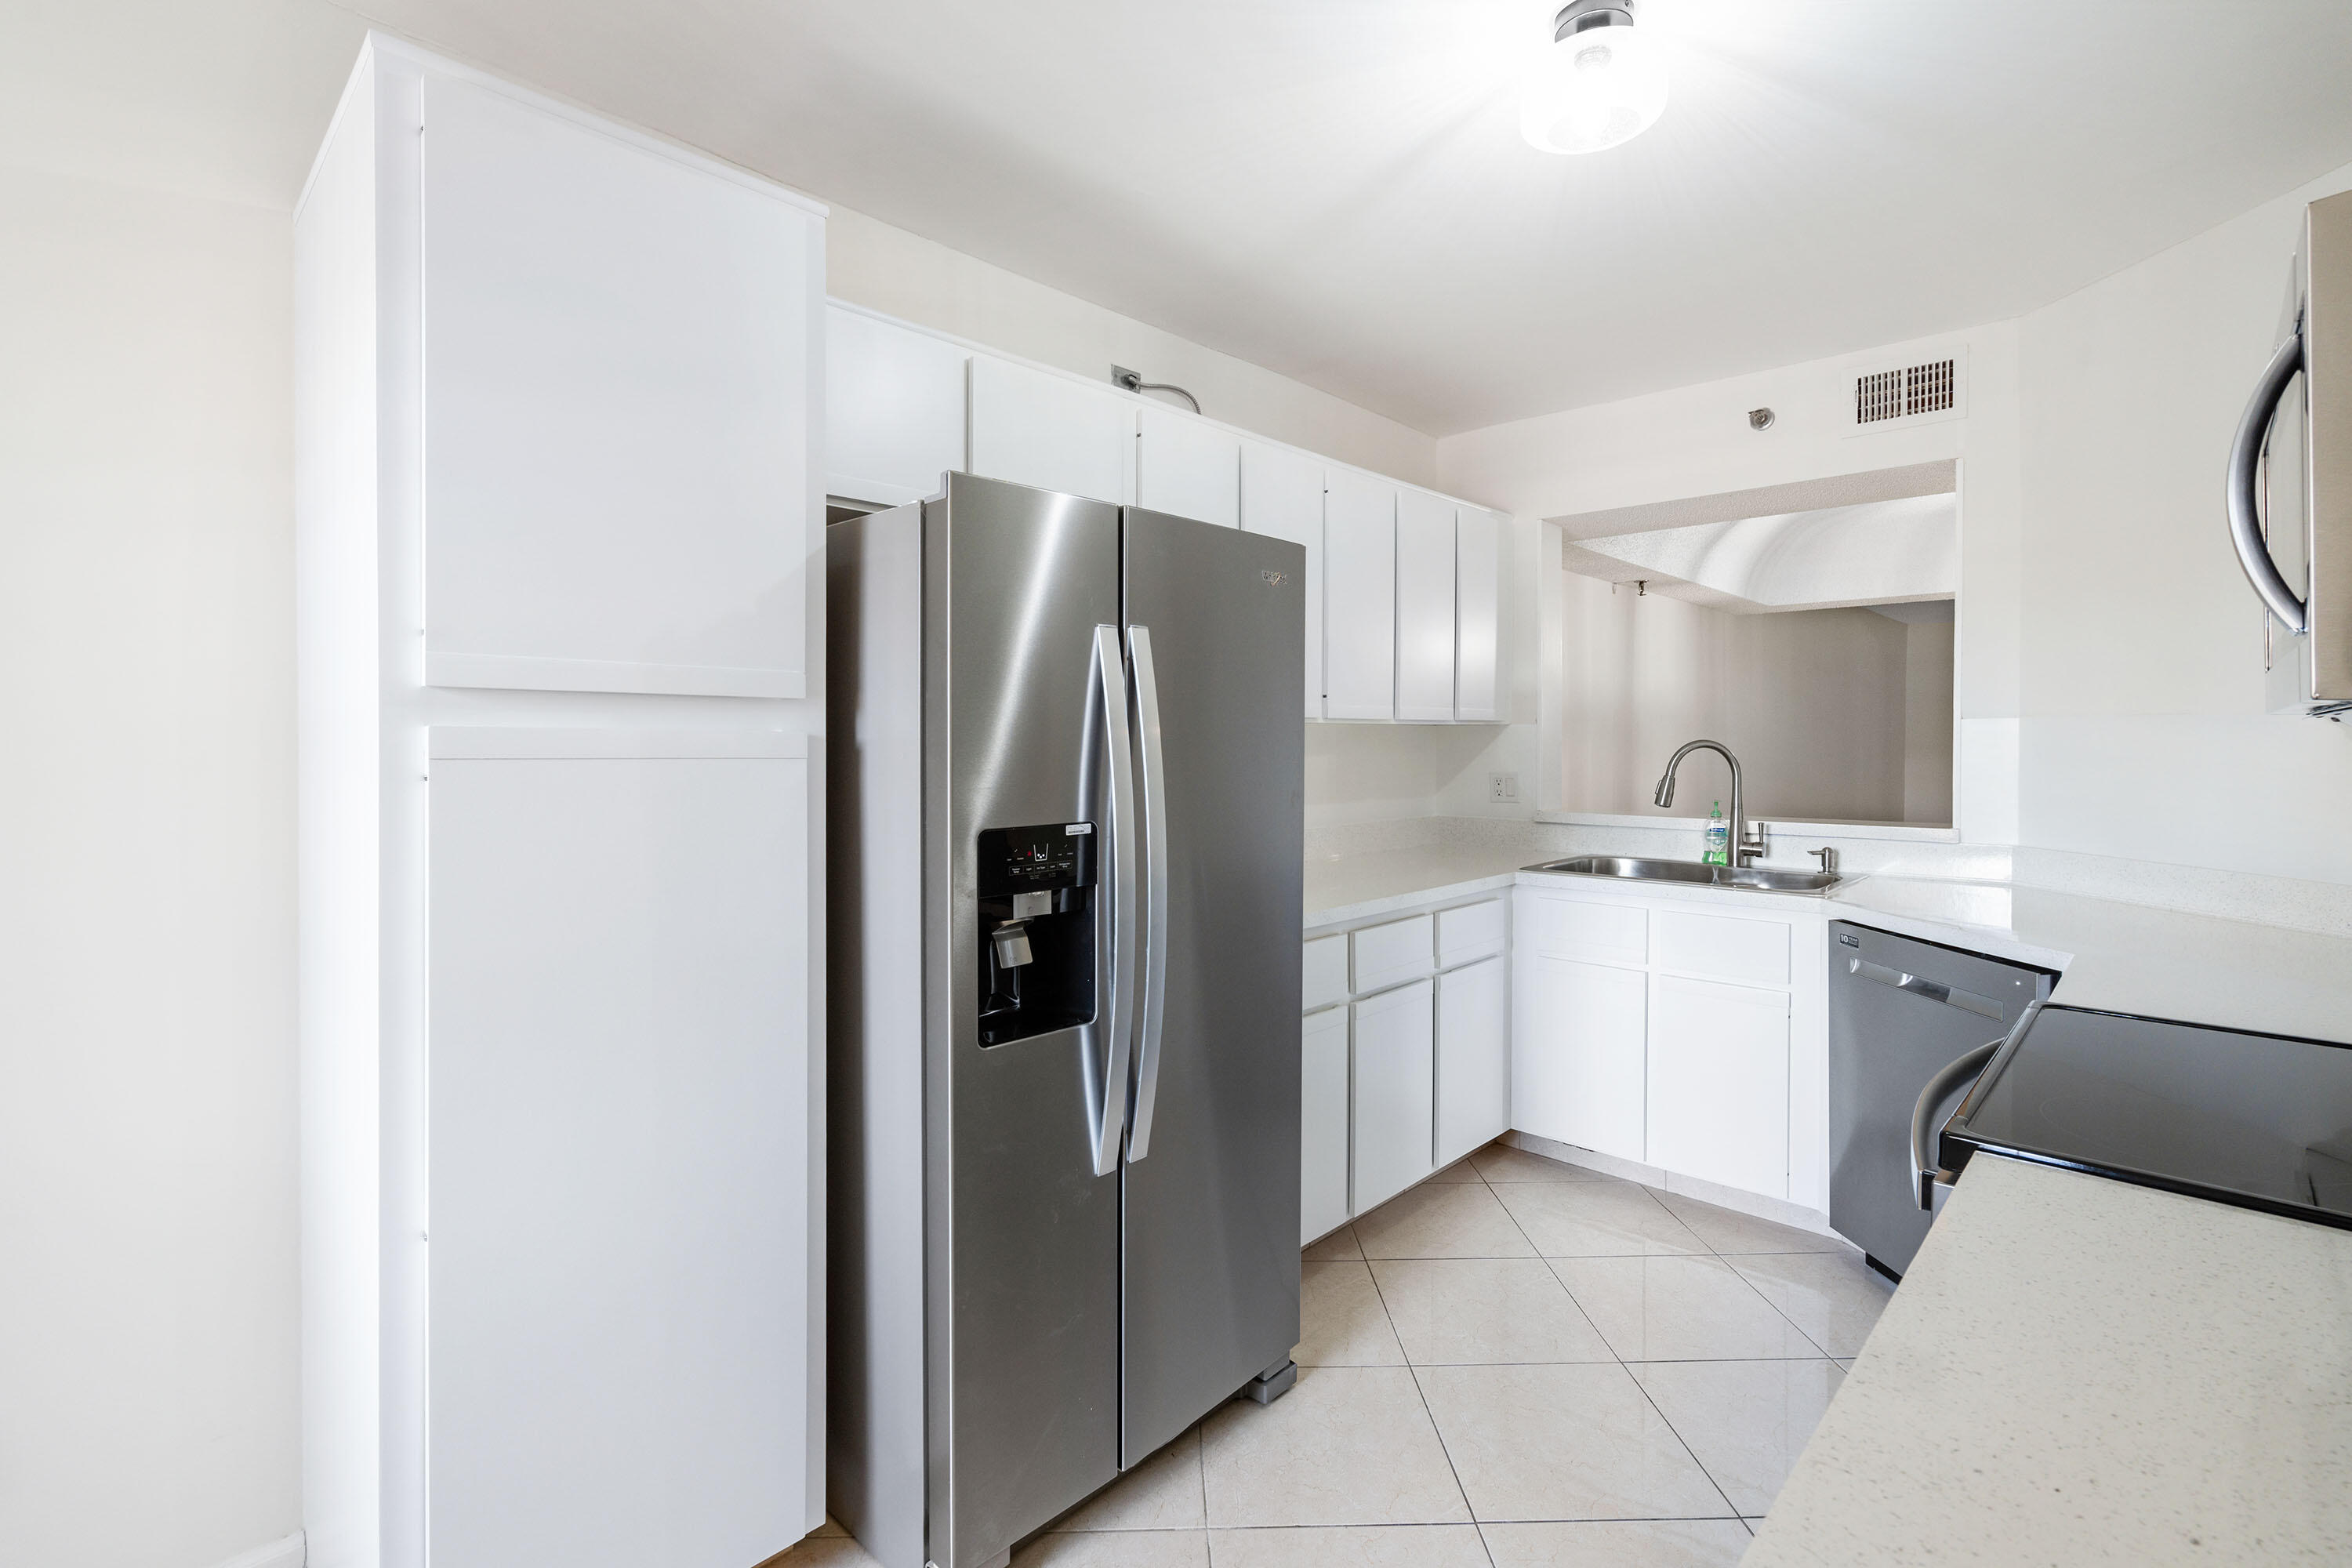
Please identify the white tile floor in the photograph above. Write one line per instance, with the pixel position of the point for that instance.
(1518, 1363)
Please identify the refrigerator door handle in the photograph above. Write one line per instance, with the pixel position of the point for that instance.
(1111, 1121)
(2245, 459)
(1155, 887)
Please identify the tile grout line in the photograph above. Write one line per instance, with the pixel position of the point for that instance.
(1621, 1366)
(1422, 1395)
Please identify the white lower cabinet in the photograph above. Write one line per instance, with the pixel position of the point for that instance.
(1415, 1071)
(1718, 1104)
(1686, 1034)
(1395, 1092)
(1474, 1059)
(1323, 1132)
(1581, 1062)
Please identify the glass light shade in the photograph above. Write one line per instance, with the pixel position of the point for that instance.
(1593, 89)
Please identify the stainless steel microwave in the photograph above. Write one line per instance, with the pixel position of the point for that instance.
(2290, 497)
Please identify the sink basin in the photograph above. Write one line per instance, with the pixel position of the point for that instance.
(1756, 879)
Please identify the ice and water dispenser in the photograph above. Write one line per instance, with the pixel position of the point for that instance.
(1036, 930)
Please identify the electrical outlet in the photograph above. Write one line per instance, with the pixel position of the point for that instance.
(1502, 786)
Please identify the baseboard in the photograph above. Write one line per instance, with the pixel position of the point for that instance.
(288, 1552)
(1779, 1211)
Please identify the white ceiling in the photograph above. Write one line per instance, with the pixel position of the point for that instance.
(1336, 189)
(1877, 553)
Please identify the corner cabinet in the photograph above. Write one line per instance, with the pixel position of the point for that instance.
(1689, 1036)
(558, 397)
(1405, 1049)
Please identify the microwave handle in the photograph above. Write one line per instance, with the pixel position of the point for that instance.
(2245, 458)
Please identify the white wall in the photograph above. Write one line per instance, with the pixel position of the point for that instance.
(2107, 657)
(1695, 441)
(1927, 721)
(2142, 734)
(148, 1390)
(1812, 701)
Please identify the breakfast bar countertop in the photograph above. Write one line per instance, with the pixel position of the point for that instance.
(2085, 1372)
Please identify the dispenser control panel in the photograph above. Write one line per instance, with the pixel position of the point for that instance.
(1036, 859)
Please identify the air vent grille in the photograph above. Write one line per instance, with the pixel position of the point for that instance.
(1903, 394)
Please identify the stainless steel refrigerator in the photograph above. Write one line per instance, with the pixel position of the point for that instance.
(1066, 793)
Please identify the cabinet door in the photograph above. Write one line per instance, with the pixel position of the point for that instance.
(1473, 1060)
(1477, 616)
(619, 1140)
(1395, 1092)
(620, 397)
(893, 409)
(1049, 432)
(1187, 466)
(1282, 495)
(1579, 1053)
(1358, 596)
(1323, 1129)
(1424, 607)
(1719, 1084)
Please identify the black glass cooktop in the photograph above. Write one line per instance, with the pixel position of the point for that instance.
(2261, 1120)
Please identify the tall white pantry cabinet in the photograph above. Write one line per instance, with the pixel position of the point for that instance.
(558, 386)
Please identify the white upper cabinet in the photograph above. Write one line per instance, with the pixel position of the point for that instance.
(1033, 428)
(1187, 466)
(619, 397)
(1477, 616)
(1424, 607)
(1360, 561)
(893, 409)
(1282, 495)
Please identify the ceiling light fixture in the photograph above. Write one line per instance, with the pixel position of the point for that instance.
(1599, 82)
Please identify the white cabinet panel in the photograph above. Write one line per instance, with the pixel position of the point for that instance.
(1323, 972)
(619, 1145)
(1474, 1059)
(1477, 616)
(618, 403)
(1187, 466)
(1580, 928)
(1358, 596)
(1395, 952)
(1050, 432)
(1282, 495)
(1424, 607)
(1719, 1084)
(1323, 1130)
(1395, 1087)
(1468, 931)
(893, 409)
(1754, 953)
(1579, 1054)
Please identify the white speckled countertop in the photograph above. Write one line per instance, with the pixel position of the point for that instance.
(2129, 958)
(2075, 1372)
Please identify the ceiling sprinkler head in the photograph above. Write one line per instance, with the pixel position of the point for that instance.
(1761, 418)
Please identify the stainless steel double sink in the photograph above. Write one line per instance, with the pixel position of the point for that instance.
(1755, 879)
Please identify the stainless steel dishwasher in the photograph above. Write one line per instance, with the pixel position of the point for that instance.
(1901, 1010)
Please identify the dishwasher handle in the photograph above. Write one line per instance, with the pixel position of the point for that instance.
(1924, 1165)
(1920, 985)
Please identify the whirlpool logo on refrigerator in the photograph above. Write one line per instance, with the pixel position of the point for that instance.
(1275, 579)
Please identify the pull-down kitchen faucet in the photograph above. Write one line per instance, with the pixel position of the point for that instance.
(1743, 848)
